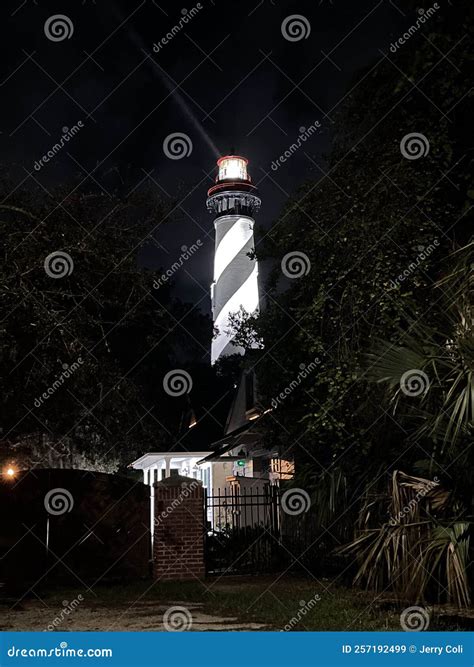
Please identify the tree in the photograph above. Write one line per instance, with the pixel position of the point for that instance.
(429, 377)
(357, 256)
(436, 366)
(86, 339)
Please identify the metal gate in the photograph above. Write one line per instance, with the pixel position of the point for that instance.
(243, 530)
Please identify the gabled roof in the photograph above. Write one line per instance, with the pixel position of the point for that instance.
(237, 416)
(228, 423)
(248, 436)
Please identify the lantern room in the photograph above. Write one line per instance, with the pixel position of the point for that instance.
(231, 168)
(233, 192)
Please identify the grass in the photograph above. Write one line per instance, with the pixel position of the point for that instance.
(263, 600)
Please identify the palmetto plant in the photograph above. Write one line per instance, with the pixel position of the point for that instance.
(424, 549)
(442, 410)
(416, 552)
(446, 559)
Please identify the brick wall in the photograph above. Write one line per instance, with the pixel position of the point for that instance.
(178, 549)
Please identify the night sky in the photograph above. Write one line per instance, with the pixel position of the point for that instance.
(227, 79)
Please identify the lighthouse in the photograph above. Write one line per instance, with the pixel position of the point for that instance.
(233, 201)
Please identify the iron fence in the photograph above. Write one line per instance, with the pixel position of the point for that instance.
(243, 530)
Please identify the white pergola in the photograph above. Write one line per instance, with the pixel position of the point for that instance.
(158, 465)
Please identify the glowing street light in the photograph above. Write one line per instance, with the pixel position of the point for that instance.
(10, 472)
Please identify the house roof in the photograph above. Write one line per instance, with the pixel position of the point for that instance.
(246, 436)
(151, 458)
(224, 425)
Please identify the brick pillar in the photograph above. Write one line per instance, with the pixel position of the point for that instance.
(178, 548)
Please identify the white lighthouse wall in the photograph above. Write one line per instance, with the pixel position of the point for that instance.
(235, 278)
(246, 297)
(231, 239)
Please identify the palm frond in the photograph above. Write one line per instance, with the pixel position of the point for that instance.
(412, 553)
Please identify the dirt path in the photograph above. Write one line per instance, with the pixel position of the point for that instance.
(139, 616)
